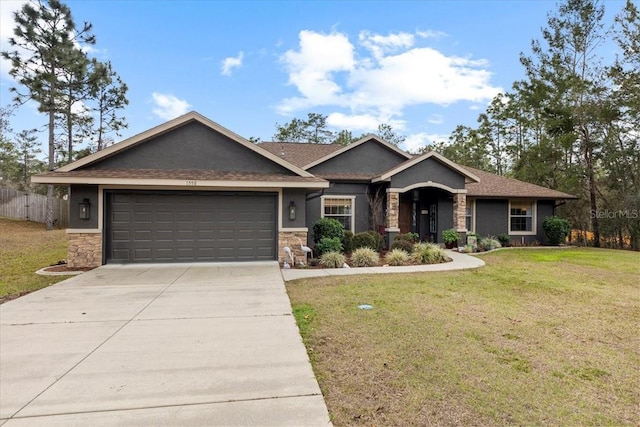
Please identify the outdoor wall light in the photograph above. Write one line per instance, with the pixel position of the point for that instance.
(85, 209)
(292, 211)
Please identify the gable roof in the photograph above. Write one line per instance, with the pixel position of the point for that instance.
(492, 185)
(300, 153)
(469, 177)
(141, 138)
(355, 144)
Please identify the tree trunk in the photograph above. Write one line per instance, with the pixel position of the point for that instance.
(595, 221)
(52, 153)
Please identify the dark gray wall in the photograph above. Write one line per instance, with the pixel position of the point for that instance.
(77, 194)
(492, 217)
(367, 158)
(428, 170)
(192, 146)
(340, 189)
(298, 196)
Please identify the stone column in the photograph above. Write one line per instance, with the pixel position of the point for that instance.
(459, 215)
(85, 248)
(393, 213)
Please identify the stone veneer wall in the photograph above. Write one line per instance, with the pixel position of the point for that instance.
(290, 238)
(393, 210)
(85, 250)
(459, 211)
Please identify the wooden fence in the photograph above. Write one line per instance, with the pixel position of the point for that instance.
(32, 207)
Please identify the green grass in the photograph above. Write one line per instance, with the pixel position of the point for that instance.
(26, 247)
(536, 337)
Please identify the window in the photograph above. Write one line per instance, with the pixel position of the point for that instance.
(470, 216)
(522, 217)
(340, 208)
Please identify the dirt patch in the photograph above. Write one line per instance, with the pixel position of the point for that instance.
(64, 269)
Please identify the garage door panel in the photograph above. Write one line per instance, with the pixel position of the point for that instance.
(171, 226)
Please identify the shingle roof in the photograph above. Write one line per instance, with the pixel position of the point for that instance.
(300, 154)
(204, 175)
(492, 185)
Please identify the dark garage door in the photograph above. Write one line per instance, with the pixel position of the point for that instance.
(184, 226)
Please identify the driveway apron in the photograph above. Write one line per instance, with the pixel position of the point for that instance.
(179, 344)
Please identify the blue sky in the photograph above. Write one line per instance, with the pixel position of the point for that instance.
(421, 66)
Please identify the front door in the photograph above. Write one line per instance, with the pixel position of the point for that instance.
(405, 215)
(433, 222)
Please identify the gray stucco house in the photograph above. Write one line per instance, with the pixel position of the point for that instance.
(191, 190)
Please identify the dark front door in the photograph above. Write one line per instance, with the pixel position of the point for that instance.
(433, 222)
(185, 226)
(405, 215)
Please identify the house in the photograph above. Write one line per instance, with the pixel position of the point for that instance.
(191, 190)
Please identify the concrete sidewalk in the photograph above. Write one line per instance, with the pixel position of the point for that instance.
(460, 262)
(150, 345)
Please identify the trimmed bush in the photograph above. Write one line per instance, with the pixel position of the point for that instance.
(504, 239)
(347, 241)
(327, 244)
(364, 257)
(428, 253)
(402, 244)
(332, 260)
(488, 243)
(364, 240)
(556, 229)
(410, 237)
(397, 257)
(380, 240)
(327, 227)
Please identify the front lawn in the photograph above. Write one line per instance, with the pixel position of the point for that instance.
(536, 337)
(26, 247)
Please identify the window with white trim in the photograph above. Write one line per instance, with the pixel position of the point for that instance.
(469, 215)
(340, 208)
(522, 217)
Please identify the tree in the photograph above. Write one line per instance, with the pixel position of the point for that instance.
(9, 165)
(110, 95)
(566, 71)
(313, 130)
(27, 147)
(386, 132)
(46, 44)
(344, 138)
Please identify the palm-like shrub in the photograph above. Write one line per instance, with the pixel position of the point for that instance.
(397, 257)
(332, 260)
(428, 253)
(364, 257)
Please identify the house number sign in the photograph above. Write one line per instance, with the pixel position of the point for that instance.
(192, 183)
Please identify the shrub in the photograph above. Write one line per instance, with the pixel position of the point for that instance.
(556, 229)
(397, 257)
(364, 240)
(347, 241)
(488, 243)
(378, 238)
(364, 257)
(327, 227)
(428, 253)
(450, 236)
(504, 239)
(327, 244)
(332, 260)
(409, 237)
(402, 244)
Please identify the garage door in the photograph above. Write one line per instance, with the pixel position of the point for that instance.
(185, 226)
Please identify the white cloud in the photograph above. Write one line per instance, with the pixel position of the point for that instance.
(436, 119)
(381, 76)
(312, 69)
(7, 24)
(357, 122)
(228, 64)
(416, 141)
(431, 34)
(168, 106)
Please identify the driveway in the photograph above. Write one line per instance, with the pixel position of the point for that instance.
(179, 344)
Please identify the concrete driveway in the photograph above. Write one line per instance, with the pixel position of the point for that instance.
(156, 345)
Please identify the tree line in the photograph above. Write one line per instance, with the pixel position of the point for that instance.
(80, 95)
